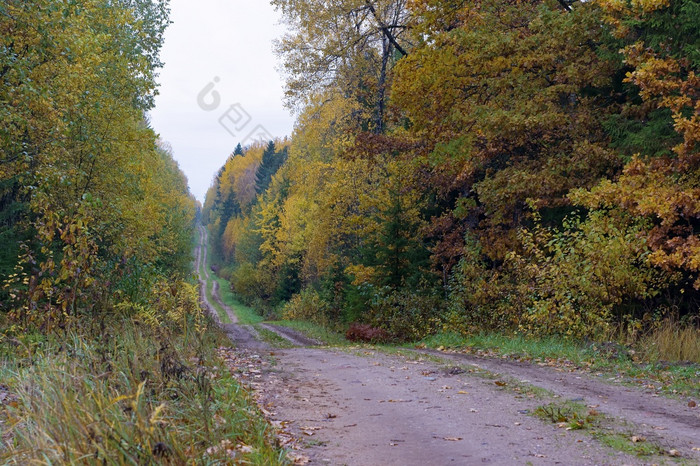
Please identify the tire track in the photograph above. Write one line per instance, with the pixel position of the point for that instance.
(245, 336)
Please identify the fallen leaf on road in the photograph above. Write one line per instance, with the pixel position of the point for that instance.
(674, 453)
(310, 428)
(298, 459)
(462, 392)
(692, 404)
(636, 439)
(452, 439)
(500, 383)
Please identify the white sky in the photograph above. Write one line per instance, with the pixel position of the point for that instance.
(228, 40)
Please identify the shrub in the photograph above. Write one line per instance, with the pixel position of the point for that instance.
(366, 333)
(406, 315)
(483, 297)
(585, 275)
(250, 283)
(308, 305)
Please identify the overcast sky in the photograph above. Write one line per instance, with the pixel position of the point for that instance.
(219, 83)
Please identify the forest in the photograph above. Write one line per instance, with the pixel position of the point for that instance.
(105, 354)
(527, 167)
(520, 169)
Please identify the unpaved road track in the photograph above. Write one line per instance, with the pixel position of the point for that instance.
(245, 336)
(363, 407)
(374, 409)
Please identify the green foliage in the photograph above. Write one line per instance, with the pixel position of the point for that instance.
(308, 305)
(405, 314)
(87, 192)
(249, 282)
(481, 297)
(269, 165)
(397, 253)
(582, 273)
(514, 166)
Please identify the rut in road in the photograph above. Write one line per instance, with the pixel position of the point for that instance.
(670, 423)
(363, 407)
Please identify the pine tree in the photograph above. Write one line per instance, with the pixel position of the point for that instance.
(271, 162)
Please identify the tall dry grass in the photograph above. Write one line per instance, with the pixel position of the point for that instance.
(135, 394)
(671, 341)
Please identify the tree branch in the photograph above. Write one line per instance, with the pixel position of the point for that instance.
(385, 29)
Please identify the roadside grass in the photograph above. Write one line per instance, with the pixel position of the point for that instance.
(608, 431)
(315, 331)
(636, 367)
(126, 392)
(272, 338)
(624, 442)
(513, 345)
(223, 315)
(246, 314)
(671, 341)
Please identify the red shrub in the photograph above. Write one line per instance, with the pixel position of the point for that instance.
(367, 333)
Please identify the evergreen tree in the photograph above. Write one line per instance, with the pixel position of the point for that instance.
(271, 162)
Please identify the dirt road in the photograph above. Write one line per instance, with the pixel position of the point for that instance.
(363, 407)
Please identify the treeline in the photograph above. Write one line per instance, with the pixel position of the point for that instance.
(530, 166)
(95, 215)
(106, 356)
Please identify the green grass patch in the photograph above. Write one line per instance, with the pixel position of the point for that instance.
(514, 345)
(318, 332)
(624, 442)
(672, 379)
(574, 416)
(273, 339)
(614, 434)
(223, 315)
(246, 314)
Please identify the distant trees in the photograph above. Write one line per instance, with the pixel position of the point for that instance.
(269, 164)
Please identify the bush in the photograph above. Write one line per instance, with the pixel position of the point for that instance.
(366, 333)
(404, 314)
(308, 305)
(585, 275)
(250, 283)
(481, 297)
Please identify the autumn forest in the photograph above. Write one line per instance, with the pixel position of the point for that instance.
(528, 170)
(458, 166)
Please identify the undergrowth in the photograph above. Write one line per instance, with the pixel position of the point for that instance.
(126, 392)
